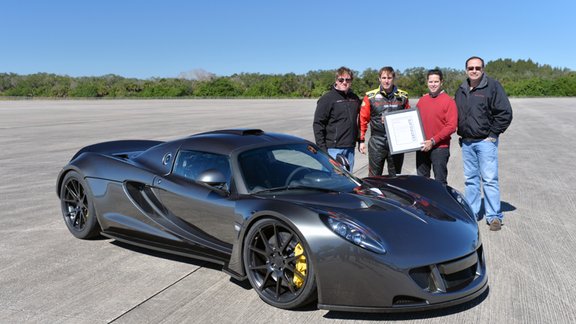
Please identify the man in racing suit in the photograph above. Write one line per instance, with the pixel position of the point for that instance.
(376, 103)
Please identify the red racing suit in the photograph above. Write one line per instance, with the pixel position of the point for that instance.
(376, 103)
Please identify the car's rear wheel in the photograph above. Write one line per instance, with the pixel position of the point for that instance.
(278, 265)
(77, 207)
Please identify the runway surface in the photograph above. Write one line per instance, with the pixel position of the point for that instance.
(48, 276)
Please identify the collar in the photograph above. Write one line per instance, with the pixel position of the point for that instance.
(391, 94)
(343, 93)
(434, 95)
(483, 82)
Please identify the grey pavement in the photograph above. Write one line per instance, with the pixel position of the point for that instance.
(48, 276)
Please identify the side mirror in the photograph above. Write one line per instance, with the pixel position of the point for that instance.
(214, 179)
(343, 161)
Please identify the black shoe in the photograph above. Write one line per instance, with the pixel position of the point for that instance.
(495, 224)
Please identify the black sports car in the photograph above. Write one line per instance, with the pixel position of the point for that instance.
(278, 211)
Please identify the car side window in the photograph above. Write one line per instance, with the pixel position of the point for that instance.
(190, 164)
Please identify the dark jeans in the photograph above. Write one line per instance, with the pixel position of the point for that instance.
(437, 159)
(379, 153)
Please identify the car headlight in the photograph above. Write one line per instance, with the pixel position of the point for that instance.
(353, 232)
(459, 197)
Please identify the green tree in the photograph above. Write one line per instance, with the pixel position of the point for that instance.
(88, 87)
(365, 81)
(566, 85)
(519, 78)
(158, 88)
(219, 87)
(413, 81)
(320, 81)
(38, 85)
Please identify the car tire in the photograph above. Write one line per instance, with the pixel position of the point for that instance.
(278, 265)
(76, 202)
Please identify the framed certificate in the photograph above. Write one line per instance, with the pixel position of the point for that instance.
(404, 130)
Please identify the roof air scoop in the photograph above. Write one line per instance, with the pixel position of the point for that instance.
(251, 132)
(241, 132)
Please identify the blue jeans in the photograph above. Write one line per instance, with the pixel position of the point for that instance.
(480, 159)
(348, 153)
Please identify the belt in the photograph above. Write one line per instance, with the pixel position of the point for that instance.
(378, 133)
(470, 139)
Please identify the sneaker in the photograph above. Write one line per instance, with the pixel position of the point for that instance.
(495, 224)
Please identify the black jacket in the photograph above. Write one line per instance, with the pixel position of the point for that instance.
(484, 111)
(336, 120)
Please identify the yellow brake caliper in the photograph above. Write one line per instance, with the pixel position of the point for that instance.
(300, 265)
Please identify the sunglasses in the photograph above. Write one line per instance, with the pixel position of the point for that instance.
(472, 68)
(341, 80)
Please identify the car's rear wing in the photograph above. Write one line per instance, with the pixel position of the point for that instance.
(126, 148)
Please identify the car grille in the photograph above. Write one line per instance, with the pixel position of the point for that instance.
(449, 276)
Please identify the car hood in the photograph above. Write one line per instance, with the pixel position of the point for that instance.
(415, 228)
(413, 207)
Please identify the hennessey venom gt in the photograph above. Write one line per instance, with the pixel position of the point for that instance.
(278, 211)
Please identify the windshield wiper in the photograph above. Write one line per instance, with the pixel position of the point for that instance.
(285, 188)
(270, 190)
(313, 188)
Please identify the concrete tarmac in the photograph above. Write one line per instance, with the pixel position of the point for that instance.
(48, 276)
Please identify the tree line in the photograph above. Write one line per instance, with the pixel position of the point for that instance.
(522, 78)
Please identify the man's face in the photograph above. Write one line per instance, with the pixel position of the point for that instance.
(474, 70)
(434, 83)
(343, 82)
(387, 81)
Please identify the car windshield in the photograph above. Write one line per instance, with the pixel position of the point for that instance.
(286, 167)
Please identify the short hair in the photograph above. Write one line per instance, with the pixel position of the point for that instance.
(435, 72)
(344, 70)
(387, 69)
(474, 58)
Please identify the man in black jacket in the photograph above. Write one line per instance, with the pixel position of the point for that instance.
(484, 112)
(336, 118)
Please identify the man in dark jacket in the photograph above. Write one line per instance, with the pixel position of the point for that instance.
(336, 118)
(484, 112)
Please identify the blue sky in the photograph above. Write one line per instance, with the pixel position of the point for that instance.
(146, 39)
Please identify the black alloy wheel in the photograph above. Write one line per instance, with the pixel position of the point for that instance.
(77, 208)
(278, 265)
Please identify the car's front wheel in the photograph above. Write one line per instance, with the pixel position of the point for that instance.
(77, 208)
(278, 265)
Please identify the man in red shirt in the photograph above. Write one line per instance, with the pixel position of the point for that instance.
(439, 117)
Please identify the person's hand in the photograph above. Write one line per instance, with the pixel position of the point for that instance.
(362, 148)
(427, 146)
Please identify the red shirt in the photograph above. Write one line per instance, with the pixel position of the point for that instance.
(439, 117)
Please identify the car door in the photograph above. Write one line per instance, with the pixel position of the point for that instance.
(204, 214)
